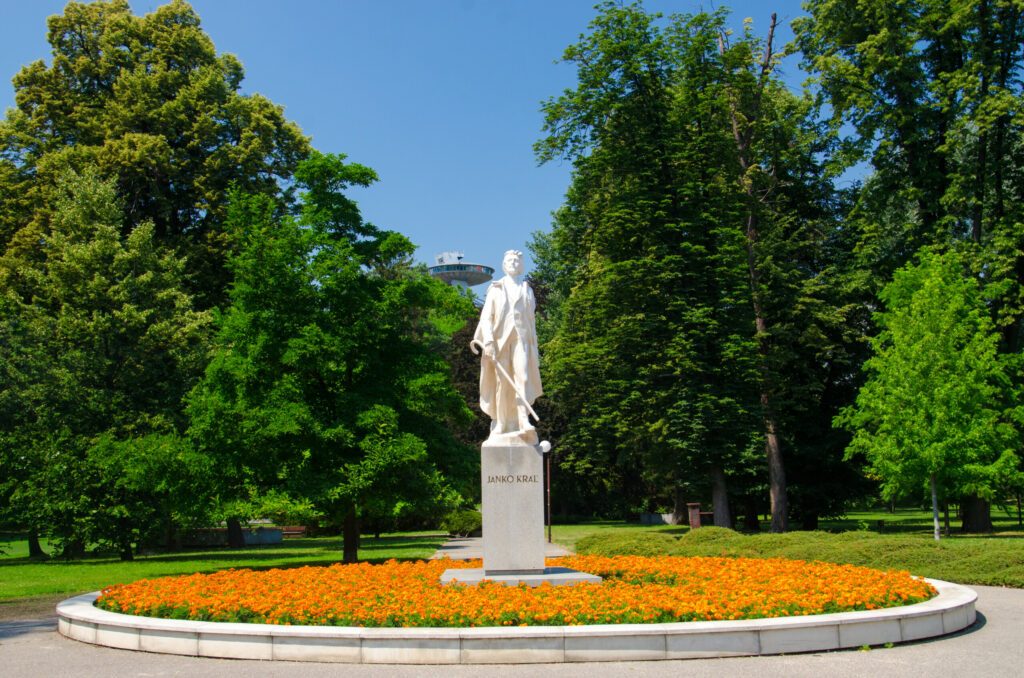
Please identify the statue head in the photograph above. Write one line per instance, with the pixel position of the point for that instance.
(512, 263)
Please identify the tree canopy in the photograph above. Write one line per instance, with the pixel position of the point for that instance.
(708, 282)
(148, 102)
(183, 339)
(198, 324)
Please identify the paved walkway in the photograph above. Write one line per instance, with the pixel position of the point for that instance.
(991, 648)
(473, 547)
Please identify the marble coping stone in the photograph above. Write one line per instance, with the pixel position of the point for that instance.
(950, 611)
(556, 576)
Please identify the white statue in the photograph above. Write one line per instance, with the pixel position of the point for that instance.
(509, 373)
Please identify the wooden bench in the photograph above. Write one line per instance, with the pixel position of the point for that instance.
(293, 531)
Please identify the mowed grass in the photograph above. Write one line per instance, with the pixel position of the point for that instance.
(916, 521)
(24, 578)
(993, 561)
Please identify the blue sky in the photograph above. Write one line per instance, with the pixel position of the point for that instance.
(440, 97)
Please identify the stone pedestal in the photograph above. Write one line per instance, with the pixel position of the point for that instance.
(512, 493)
(512, 490)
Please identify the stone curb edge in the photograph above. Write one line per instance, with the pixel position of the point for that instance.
(950, 611)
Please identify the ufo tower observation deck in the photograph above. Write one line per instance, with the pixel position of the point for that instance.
(451, 268)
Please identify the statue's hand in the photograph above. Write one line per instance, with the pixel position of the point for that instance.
(488, 349)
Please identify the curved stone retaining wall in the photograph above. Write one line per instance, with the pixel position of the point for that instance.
(950, 611)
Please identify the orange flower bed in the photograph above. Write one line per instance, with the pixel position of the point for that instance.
(636, 590)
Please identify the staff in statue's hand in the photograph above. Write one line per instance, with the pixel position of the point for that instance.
(490, 354)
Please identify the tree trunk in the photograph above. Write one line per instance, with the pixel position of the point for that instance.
(35, 549)
(975, 515)
(776, 477)
(236, 539)
(720, 498)
(350, 537)
(680, 514)
(981, 162)
(74, 548)
(744, 130)
(124, 540)
(172, 537)
(935, 505)
(751, 522)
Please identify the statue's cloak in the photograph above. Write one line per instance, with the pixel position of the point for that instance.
(508, 306)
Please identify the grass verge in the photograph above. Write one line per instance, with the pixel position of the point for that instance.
(21, 577)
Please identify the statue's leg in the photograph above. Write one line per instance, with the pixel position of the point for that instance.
(519, 366)
(505, 402)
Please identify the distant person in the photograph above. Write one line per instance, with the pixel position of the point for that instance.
(509, 373)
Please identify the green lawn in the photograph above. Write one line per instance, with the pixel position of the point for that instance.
(21, 577)
(904, 520)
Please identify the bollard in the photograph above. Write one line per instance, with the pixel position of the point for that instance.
(694, 515)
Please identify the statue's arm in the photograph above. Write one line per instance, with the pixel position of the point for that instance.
(531, 307)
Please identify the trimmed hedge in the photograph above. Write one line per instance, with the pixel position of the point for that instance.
(991, 561)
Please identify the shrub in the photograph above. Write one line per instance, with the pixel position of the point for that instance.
(649, 544)
(463, 523)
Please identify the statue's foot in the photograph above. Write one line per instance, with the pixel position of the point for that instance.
(529, 436)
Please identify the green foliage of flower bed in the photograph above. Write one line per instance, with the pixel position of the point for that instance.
(992, 561)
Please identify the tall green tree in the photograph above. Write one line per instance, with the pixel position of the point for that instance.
(939, 411)
(148, 101)
(648, 286)
(809, 324)
(929, 92)
(97, 362)
(328, 380)
(687, 268)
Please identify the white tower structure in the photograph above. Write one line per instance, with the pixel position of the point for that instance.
(451, 268)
